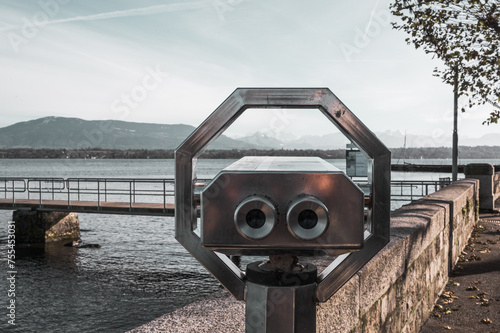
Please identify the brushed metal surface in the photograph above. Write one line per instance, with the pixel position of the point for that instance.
(331, 189)
(280, 309)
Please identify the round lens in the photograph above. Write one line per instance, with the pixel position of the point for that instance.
(307, 219)
(256, 218)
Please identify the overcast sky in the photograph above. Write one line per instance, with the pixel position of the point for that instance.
(176, 61)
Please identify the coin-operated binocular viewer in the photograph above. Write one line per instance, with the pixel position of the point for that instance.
(282, 207)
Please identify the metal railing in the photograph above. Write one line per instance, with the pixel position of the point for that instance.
(104, 189)
(409, 190)
(135, 190)
(122, 190)
(11, 186)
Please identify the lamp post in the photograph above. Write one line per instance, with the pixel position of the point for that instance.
(454, 165)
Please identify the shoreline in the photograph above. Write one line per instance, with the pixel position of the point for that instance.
(466, 152)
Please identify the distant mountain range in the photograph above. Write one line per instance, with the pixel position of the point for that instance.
(74, 133)
(392, 139)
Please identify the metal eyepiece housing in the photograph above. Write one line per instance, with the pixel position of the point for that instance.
(255, 217)
(266, 205)
(307, 218)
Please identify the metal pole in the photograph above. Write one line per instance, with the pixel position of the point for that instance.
(454, 166)
(280, 300)
(130, 195)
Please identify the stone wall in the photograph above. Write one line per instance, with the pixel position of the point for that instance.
(397, 289)
(393, 292)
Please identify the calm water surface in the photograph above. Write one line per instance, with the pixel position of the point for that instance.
(138, 274)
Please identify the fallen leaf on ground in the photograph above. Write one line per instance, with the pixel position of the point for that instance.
(486, 321)
(448, 294)
(485, 302)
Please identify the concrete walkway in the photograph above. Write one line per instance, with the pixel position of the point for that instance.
(471, 299)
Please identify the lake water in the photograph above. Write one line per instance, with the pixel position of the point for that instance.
(138, 274)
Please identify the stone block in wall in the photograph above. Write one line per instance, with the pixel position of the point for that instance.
(496, 185)
(485, 174)
(371, 320)
(456, 194)
(44, 227)
(340, 313)
(377, 276)
(424, 280)
(461, 196)
(392, 313)
(418, 223)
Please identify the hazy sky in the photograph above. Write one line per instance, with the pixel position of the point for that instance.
(176, 61)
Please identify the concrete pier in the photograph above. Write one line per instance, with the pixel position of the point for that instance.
(45, 227)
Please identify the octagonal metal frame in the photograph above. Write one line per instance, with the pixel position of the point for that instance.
(220, 266)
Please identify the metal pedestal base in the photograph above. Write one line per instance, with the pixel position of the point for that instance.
(286, 303)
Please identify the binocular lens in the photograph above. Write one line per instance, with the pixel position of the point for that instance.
(255, 217)
(307, 218)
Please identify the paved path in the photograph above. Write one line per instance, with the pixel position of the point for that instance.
(471, 300)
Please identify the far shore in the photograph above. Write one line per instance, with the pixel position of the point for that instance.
(465, 152)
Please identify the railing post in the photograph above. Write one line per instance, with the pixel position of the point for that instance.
(40, 191)
(69, 199)
(130, 195)
(164, 197)
(98, 194)
(105, 190)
